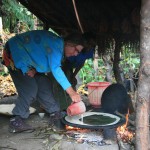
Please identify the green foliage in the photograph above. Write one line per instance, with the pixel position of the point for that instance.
(88, 74)
(3, 73)
(130, 63)
(14, 10)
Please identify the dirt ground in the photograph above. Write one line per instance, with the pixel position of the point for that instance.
(42, 138)
(22, 141)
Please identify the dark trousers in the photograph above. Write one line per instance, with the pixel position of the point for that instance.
(30, 89)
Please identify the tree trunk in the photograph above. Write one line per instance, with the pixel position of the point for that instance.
(95, 65)
(116, 67)
(143, 97)
(108, 64)
(1, 26)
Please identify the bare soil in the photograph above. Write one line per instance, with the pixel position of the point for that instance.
(43, 138)
(22, 141)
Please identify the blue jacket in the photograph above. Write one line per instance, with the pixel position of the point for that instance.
(41, 50)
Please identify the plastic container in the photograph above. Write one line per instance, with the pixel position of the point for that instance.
(95, 91)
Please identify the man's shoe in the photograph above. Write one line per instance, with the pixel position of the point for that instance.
(17, 125)
(58, 126)
(55, 121)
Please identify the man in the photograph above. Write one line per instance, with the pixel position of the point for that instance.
(73, 64)
(28, 57)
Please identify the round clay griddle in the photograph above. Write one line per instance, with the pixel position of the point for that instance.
(76, 121)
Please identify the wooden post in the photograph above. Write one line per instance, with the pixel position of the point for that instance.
(95, 63)
(143, 96)
(116, 67)
(1, 26)
(1, 40)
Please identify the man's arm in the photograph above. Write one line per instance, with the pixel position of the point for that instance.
(73, 94)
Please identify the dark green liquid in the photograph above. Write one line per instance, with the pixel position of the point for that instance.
(97, 120)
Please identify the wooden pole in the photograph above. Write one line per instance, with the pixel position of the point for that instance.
(1, 26)
(143, 96)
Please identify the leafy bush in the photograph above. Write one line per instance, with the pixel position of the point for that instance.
(88, 74)
(129, 63)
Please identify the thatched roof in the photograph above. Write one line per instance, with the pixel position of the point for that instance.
(108, 19)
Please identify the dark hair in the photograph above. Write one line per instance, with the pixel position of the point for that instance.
(75, 38)
(86, 39)
(90, 41)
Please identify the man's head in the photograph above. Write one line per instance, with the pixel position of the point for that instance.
(76, 42)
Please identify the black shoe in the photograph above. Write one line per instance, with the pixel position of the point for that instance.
(55, 121)
(17, 125)
(58, 125)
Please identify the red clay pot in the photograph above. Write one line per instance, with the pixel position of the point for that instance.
(76, 108)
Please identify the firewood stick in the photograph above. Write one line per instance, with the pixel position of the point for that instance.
(121, 115)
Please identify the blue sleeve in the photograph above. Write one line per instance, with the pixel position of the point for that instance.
(76, 61)
(55, 64)
(89, 54)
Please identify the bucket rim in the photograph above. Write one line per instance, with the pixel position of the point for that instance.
(97, 84)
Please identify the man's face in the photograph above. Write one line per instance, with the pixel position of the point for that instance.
(72, 49)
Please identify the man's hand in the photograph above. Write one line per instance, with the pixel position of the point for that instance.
(76, 97)
(31, 72)
(73, 94)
